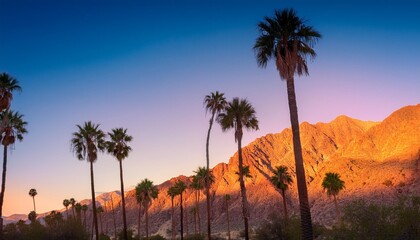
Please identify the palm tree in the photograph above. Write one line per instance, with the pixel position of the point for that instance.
(14, 128)
(66, 204)
(148, 192)
(198, 182)
(84, 209)
(246, 173)
(288, 41)
(240, 114)
(118, 148)
(139, 199)
(215, 104)
(180, 187)
(8, 85)
(227, 199)
(333, 184)
(32, 216)
(86, 143)
(100, 210)
(72, 203)
(78, 208)
(172, 192)
(33, 193)
(281, 180)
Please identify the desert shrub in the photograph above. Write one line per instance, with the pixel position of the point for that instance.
(370, 221)
(276, 228)
(195, 237)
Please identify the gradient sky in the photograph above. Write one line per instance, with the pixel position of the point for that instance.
(147, 65)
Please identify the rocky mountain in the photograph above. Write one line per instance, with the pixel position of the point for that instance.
(379, 161)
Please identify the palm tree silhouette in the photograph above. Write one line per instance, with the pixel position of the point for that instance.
(172, 192)
(72, 203)
(86, 143)
(214, 103)
(240, 114)
(288, 41)
(14, 128)
(66, 204)
(8, 85)
(281, 180)
(333, 184)
(148, 192)
(33, 193)
(180, 187)
(118, 148)
(78, 208)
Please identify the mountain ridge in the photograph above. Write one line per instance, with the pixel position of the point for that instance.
(366, 154)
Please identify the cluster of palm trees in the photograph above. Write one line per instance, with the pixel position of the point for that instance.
(12, 127)
(87, 142)
(146, 191)
(332, 184)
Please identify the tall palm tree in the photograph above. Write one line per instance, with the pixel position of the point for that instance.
(14, 128)
(180, 187)
(66, 204)
(196, 187)
(118, 148)
(86, 143)
(227, 199)
(281, 180)
(8, 85)
(72, 203)
(215, 104)
(333, 184)
(240, 114)
(148, 192)
(288, 41)
(33, 193)
(172, 192)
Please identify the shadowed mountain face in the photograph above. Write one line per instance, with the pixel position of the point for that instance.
(378, 161)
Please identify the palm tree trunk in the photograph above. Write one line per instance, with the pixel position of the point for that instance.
(33, 199)
(3, 189)
(186, 220)
(123, 201)
(139, 221)
(207, 179)
(147, 222)
(198, 211)
(173, 220)
(92, 186)
(67, 212)
(283, 194)
(182, 219)
(245, 212)
(337, 210)
(227, 215)
(305, 213)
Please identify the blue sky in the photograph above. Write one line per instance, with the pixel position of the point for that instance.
(147, 65)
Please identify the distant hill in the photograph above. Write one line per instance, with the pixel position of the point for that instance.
(379, 161)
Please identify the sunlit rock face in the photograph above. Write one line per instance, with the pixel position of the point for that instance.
(379, 161)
